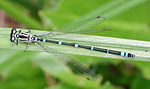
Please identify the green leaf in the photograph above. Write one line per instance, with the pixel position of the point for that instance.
(108, 10)
(108, 85)
(55, 68)
(24, 75)
(141, 49)
(138, 81)
(19, 14)
(132, 24)
(144, 67)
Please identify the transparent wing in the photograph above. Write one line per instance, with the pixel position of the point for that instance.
(67, 60)
(79, 27)
(83, 24)
(52, 34)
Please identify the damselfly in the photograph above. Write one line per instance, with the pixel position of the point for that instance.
(27, 37)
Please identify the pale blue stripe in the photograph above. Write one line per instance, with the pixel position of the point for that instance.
(107, 51)
(122, 54)
(60, 43)
(44, 40)
(126, 55)
(36, 38)
(76, 45)
(92, 48)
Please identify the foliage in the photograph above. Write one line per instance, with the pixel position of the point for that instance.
(36, 70)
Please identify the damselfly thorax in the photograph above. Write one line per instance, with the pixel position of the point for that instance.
(25, 37)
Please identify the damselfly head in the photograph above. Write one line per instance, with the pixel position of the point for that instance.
(12, 35)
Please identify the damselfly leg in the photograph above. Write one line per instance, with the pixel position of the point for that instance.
(27, 45)
(17, 42)
(19, 31)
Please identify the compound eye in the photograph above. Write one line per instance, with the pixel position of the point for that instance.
(12, 39)
(14, 30)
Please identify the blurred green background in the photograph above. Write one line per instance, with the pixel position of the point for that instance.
(33, 70)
